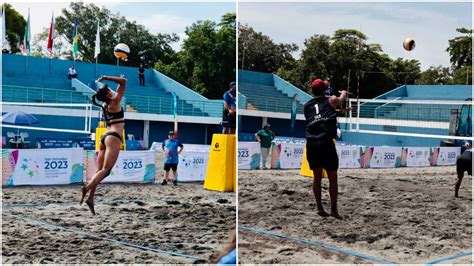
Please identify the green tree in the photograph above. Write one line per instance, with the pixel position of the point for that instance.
(434, 76)
(15, 28)
(460, 49)
(206, 62)
(144, 46)
(258, 52)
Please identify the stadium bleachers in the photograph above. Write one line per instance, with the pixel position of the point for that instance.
(267, 92)
(41, 85)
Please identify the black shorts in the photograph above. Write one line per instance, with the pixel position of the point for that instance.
(228, 119)
(322, 154)
(169, 166)
(464, 163)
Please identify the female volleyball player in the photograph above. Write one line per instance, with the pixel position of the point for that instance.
(111, 140)
(321, 130)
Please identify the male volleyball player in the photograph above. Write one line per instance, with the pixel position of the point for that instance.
(321, 130)
(463, 164)
(110, 142)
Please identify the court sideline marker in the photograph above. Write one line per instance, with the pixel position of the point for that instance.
(463, 254)
(107, 238)
(318, 244)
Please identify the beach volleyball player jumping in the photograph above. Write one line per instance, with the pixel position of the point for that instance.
(110, 142)
(321, 130)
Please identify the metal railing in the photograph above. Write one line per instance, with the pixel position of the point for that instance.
(272, 105)
(12, 93)
(164, 105)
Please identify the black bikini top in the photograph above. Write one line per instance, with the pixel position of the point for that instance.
(108, 116)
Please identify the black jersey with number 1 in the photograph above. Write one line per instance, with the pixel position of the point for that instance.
(321, 119)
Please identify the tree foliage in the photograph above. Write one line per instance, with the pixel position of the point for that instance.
(206, 62)
(144, 46)
(460, 49)
(15, 28)
(258, 52)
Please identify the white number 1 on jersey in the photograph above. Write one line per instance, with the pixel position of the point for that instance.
(317, 108)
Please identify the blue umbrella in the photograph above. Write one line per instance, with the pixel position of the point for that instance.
(19, 118)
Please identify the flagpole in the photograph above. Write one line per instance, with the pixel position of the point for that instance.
(116, 68)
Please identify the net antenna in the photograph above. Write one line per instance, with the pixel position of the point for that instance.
(75, 110)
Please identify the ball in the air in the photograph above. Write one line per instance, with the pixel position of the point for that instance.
(409, 44)
(122, 51)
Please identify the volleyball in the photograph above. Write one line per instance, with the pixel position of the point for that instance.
(121, 50)
(409, 44)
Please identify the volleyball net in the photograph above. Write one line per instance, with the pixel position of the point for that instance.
(451, 120)
(54, 117)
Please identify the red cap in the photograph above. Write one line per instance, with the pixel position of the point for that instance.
(318, 84)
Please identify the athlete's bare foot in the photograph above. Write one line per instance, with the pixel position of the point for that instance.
(83, 194)
(90, 204)
(322, 213)
(336, 215)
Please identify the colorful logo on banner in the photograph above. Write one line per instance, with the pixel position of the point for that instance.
(287, 156)
(416, 156)
(131, 166)
(248, 155)
(383, 157)
(349, 156)
(447, 155)
(42, 167)
(192, 166)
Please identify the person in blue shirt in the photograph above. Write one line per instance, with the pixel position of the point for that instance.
(228, 119)
(172, 147)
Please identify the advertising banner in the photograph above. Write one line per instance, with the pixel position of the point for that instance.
(416, 156)
(385, 157)
(42, 166)
(446, 155)
(131, 166)
(248, 155)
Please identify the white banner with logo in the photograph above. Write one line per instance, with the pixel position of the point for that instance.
(133, 166)
(416, 156)
(448, 155)
(287, 155)
(349, 156)
(42, 167)
(248, 155)
(192, 165)
(385, 157)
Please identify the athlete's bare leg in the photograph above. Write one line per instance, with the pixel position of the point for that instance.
(333, 190)
(318, 175)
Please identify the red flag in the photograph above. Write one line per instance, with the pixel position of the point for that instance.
(51, 35)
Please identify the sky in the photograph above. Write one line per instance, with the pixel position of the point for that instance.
(158, 17)
(431, 25)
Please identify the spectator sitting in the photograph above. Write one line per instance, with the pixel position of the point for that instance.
(72, 73)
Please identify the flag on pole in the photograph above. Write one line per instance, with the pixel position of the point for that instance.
(97, 42)
(5, 44)
(75, 40)
(27, 36)
(51, 35)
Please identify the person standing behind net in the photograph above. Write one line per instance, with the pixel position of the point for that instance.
(141, 75)
(463, 164)
(265, 137)
(228, 118)
(321, 130)
(171, 152)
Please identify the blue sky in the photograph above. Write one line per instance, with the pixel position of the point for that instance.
(388, 24)
(157, 17)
